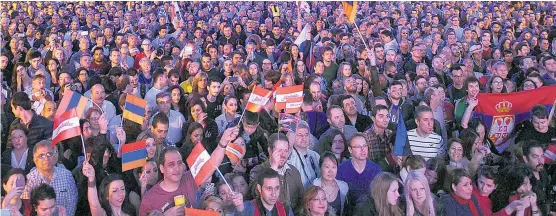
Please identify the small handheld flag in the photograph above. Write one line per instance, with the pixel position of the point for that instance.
(134, 109)
(234, 152)
(65, 126)
(199, 163)
(350, 9)
(290, 94)
(134, 155)
(72, 100)
(259, 97)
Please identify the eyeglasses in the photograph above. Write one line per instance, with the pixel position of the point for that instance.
(360, 147)
(44, 156)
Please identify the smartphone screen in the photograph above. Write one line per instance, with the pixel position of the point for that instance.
(19, 182)
(233, 79)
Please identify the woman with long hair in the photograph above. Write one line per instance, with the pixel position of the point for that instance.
(53, 68)
(335, 190)
(193, 136)
(344, 71)
(178, 98)
(253, 73)
(19, 155)
(200, 83)
(153, 150)
(111, 198)
(300, 72)
(455, 157)
(418, 197)
(384, 197)
(334, 142)
(21, 80)
(229, 113)
(314, 202)
(435, 172)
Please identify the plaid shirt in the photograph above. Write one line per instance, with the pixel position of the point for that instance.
(379, 145)
(63, 184)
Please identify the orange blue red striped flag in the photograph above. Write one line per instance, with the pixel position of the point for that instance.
(72, 100)
(134, 155)
(134, 109)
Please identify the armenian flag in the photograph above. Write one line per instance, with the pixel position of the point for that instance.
(501, 112)
(350, 9)
(134, 109)
(72, 100)
(134, 155)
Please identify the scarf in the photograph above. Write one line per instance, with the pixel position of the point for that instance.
(469, 203)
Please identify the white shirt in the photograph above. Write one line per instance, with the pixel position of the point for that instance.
(150, 96)
(22, 162)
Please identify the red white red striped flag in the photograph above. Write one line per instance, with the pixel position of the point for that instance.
(235, 152)
(199, 163)
(293, 105)
(65, 126)
(293, 94)
(258, 98)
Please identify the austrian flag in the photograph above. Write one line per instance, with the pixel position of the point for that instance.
(65, 126)
(258, 98)
(286, 95)
(199, 163)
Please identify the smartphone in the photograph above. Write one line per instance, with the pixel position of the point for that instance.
(84, 33)
(20, 182)
(233, 79)
(21, 35)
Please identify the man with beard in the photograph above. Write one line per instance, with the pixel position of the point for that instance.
(350, 87)
(398, 104)
(352, 117)
(533, 157)
(289, 177)
(268, 186)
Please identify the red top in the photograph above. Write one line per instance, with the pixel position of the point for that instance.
(486, 204)
(469, 203)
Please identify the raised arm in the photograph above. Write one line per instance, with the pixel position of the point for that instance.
(92, 194)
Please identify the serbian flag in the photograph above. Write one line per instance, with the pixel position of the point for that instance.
(350, 9)
(65, 126)
(503, 111)
(258, 98)
(199, 212)
(291, 94)
(235, 152)
(71, 100)
(199, 163)
(134, 155)
(134, 109)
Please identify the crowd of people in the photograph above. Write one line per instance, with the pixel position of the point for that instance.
(420, 64)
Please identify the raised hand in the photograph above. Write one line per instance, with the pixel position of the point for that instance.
(88, 171)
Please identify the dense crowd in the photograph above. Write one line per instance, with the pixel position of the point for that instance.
(420, 64)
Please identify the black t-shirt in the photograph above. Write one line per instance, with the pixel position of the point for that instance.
(456, 94)
(214, 109)
(529, 133)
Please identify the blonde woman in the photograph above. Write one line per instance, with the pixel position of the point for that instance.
(314, 202)
(418, 197)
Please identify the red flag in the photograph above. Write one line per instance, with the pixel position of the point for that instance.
(199, 163)
(293, 105)
(235, 152)
(199, 212)
(65, 126)
(293, 94)
(258, 98)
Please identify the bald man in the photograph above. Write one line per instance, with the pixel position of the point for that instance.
(98, 97)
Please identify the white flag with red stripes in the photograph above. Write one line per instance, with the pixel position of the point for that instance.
(199, 163)
(66, 126)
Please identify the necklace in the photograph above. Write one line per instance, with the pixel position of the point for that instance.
(329, 195)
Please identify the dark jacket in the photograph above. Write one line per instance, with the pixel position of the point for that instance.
(291, 187)
(39, 129)
(7, 159)
(366, 207)
(452, 206)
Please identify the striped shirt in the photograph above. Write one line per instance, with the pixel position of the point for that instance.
(428, 147)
